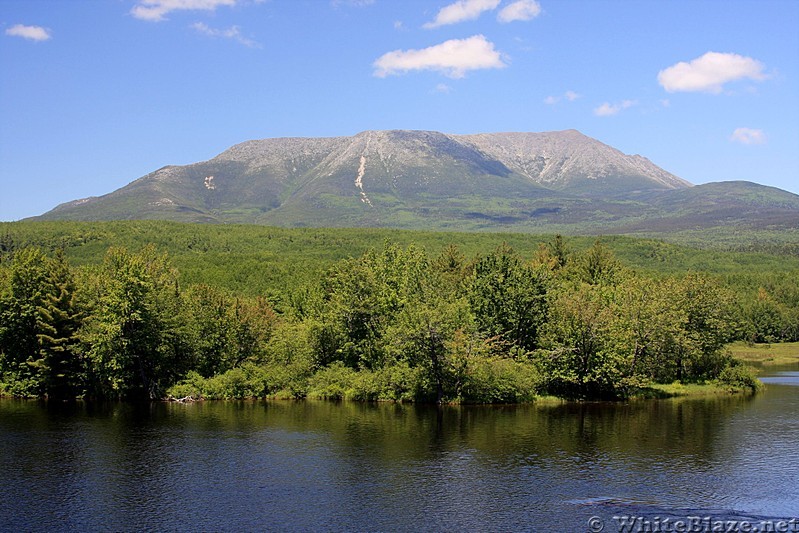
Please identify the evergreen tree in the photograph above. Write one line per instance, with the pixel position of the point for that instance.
(59, 319)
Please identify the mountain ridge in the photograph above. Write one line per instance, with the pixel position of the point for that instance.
(522, 181)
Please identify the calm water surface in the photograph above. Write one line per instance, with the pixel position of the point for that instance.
(310, 466)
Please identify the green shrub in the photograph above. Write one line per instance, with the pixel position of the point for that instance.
(191, 386)
(399, 382)
(737, 377)
(246, 381)
(498, 380)
(335, 382)
(20, 385)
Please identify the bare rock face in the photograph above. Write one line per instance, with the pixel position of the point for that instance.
(569, 160)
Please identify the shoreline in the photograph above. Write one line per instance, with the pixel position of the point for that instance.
(770, 354)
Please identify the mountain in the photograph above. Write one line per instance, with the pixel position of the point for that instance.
(570, 161)
(553, 181)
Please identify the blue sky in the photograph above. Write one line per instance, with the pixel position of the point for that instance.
(94, 94)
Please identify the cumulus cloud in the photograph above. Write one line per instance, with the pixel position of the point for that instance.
(461, 11)
(607, 109)
(571, 96)
(748, 136)
(710, 72)
(519, 10)
(453, 58)
(157, 10)
(229, 33)
(32, 33)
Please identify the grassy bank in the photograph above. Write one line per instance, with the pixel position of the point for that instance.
(785, 353)
(681, 390)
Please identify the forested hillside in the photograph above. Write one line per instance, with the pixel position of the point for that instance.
(258, 260)
(143, 310)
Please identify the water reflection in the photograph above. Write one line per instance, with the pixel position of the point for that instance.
(385, 467)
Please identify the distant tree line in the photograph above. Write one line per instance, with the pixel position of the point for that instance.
(392, 324)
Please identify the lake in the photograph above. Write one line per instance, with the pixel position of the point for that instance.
(311, 466)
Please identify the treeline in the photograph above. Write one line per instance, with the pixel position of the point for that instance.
(393, 324)
(233, 256)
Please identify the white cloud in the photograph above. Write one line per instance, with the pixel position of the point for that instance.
(607, 109)
(443, 88)
(519, 10)
(748, 136)
(571, 96)
(710, 72)
(461, 11)
(453, 58)
(230, 33)
(32, 33)
(156, 10)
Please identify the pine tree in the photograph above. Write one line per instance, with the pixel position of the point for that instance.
(58, 321)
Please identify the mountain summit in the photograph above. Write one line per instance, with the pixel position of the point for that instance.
(570, 161)
(562, 180)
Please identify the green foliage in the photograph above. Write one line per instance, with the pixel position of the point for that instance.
(609, 340)
(334, 382)
(737, 377)
(646, 327)
(39, 319)
(597, 265)
(580, 360)
(499, 380)
(129, 335)
(578, 320)
(246, 381)
(60, 316)
(709, 324)
(508, 298)
(768, 319)
(277, 262)
(399, 382)
(224, 331)
(24, 292)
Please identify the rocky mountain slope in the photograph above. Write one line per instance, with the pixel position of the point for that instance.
(559, 181)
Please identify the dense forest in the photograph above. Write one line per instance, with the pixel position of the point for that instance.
(374, 315)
